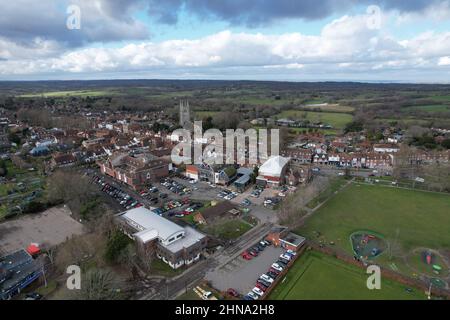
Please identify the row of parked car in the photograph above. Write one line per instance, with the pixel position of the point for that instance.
(176, 187)
(266, 280)
(123, 198)
(227, 194)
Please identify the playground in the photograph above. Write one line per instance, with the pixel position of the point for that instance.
(367, 245)
(430, 263)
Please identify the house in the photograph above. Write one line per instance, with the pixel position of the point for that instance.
(298, 155)
(243, 179)
(298, 174)
(39, 151)
(272, 172)
(17, 271)
(157, 236)
(281, 237)
(385, 148)
(63, 160)
(217, 212)
(135, 171)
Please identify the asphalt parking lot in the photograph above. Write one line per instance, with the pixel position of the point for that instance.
(50, 227)
(241, 274)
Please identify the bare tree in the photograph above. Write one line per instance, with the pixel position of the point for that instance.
(99, 284)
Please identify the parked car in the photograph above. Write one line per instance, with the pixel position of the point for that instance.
(263, 283)
(277, 267)
(253, 295)
(258, 291)
(275, 271)
(260, 286)
(286, 257)
(232, 292)
(246, 255)
(266, 277)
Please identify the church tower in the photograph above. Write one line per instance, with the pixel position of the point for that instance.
(185, 115)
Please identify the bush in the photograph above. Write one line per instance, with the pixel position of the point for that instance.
(117, 242)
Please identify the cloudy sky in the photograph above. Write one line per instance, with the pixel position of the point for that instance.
(300, 40)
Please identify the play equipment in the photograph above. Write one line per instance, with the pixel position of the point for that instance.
(428, 257)
(367, 245)
(437, 267)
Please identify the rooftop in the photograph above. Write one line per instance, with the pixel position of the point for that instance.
(191, 237)
(143, 219)
(273, 166)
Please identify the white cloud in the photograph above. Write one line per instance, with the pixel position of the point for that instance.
(444, 61)
(346, 44)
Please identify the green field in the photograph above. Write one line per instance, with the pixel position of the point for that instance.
(319, 276)
(337, 120)
(73, 93)
(441, 98)
(329, 107)
(415, 218)
(429, 108)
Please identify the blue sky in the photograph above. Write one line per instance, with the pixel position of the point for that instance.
(230, 39)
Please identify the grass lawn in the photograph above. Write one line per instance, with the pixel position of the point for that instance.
(335, 185)
(319, 276)
(159, 267)
(230, 229)
(421, 218)
(337, 120)
(190, 295)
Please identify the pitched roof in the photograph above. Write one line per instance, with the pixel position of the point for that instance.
(273, 166)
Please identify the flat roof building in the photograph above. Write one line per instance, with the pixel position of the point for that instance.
(17, 270)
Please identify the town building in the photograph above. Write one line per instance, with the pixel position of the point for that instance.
(272, 172)
(17, 271)
(157, 236)
(135, 171)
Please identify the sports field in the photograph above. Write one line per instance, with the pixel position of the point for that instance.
(412, 218)
(319, 276)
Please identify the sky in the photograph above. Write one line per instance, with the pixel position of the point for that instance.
(293, 40)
